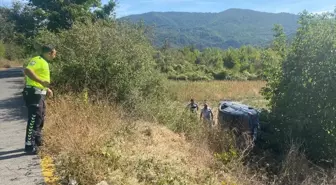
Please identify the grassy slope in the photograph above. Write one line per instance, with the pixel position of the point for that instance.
(95, 143)
(92, 143)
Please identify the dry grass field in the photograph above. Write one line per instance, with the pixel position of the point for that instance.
(213, 91)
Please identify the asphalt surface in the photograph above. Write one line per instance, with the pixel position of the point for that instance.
(16, 168)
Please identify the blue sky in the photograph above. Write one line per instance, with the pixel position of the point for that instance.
(127, 7)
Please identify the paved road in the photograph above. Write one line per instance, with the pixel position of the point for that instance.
(16, 168)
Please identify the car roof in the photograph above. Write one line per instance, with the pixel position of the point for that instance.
(236, 108)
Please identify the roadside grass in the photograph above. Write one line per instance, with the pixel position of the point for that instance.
(92, 143)
(5, 64)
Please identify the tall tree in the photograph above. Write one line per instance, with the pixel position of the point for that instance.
(279, 42)
(272, 64)
(27, 20)
(304, 101)
(107, 11)
(61, 14)
(6, 28)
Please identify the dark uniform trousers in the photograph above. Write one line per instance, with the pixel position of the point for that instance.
(34, 100)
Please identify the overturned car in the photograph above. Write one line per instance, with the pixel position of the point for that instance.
(241, 118)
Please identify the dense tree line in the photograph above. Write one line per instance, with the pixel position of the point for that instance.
(23, 22)
(189, 63)
(244, 63)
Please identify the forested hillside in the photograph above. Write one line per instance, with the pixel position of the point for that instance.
(230, 28)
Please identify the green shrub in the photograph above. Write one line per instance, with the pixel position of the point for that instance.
(2, 49)
(222, 75)
(192, 76)
(112, 60)
(250, 76)
(303, 99)
(197, 76)
(178, 77)
(14, 51)
(226, 157)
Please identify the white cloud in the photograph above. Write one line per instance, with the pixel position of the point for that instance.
(325, 10)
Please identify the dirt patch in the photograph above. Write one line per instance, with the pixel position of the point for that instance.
(6, 64)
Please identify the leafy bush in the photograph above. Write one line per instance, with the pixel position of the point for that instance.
(303, 99)
(222, 75)
(14, 51)
(111, 60)
(192, 76)
(250, 76)
(2, 49)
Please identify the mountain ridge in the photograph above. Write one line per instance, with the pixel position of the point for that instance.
(230, 28)
(230, 9)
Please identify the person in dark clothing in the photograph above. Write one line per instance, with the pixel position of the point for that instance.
(192, 106)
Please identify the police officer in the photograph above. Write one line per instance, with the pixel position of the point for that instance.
(34, 93)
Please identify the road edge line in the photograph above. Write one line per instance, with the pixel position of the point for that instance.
(48, 170)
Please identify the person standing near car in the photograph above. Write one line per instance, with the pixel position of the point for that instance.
(192, 106)
(207, 115)
(37, 80)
